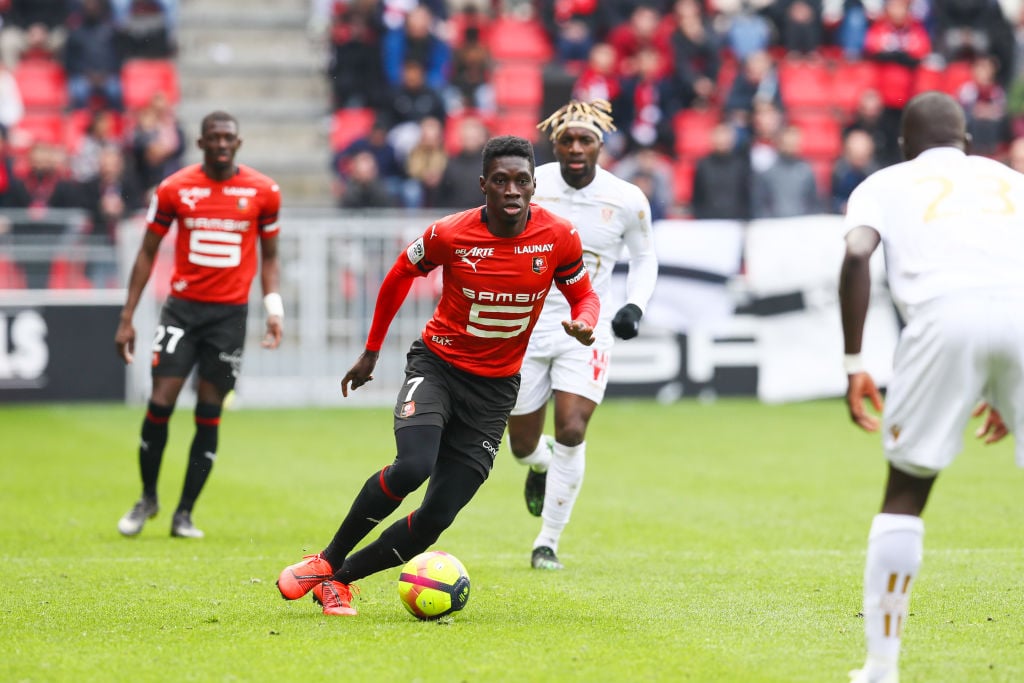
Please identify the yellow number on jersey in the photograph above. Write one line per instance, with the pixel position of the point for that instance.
(990, 190)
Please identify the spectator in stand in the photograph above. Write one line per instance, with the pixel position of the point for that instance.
(92, 58)
(985, 104)
(364, 188)
(100, 134)
(1015, 155)
(145, 31)
(46, 181)
(11, 106)
(413, 100)
(695, 58)
(799, 25)
(787, 187)
(470, 86)
(455, 191)
(33, 28)
(641, 31)
(355, 70)
(651, 171)
(721, 181)
(856, 163)
(376, 143)
(897, 43)
(758, 80)
(13, 193)
(869, 117)
(645, 109)
(599, 79)
(573, 26)
(850, 20)
(425, 166)
(965, 29)
(109, 197)
(415, 40)
(765, 129)
(747, 30)
(158, 143)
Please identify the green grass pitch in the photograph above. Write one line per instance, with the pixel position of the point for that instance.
(719, 542)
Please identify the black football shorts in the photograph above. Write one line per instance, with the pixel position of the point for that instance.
(193, 333)
(472, 410)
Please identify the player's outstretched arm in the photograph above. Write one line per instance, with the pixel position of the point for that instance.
(579, 330)
(270, 278)
(993, 429)
(854, 296)
(124, 337)
(360, 373)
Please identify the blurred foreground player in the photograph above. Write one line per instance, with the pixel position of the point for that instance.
(462, 376)
(222, 211)
(954, 250)
(609, 213)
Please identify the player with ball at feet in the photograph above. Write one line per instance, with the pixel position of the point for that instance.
(608, 213)
(462, 376)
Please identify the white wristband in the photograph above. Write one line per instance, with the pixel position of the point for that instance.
(853, 363)
(273, 304)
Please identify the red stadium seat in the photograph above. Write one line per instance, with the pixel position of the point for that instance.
(68, 274)
(926, 78)
(38, 127)
(821, 135)
(849, 81)
(515, 39)
(42, 83)
(692, 129)
(452, 144)
(682, 181)
(518, 85)
(823, 175)
(348, 125)
(804, 85)
(518, 122)
(956, 74)
(11, 276)
(143, 78)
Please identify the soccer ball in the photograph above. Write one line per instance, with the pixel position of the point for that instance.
(433, 584)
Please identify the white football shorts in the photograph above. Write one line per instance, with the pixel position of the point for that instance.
(556, 361)
(954, 352)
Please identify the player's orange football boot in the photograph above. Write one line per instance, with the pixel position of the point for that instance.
(336, 598)
(298, 579)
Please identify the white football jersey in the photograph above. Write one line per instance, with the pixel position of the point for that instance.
(949, 223)
(608, 213)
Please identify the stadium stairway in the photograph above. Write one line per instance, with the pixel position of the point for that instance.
(257, 60)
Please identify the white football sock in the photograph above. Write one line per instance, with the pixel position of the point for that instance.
(565, 476)
(895, 547)
(540, 459)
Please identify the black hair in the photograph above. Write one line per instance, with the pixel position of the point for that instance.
(507, 146)
(216, 117)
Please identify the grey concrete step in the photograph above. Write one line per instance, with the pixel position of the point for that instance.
(269, 15)
(257, 95)
(214, 46)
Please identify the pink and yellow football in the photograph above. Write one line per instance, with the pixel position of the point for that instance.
(433, 584)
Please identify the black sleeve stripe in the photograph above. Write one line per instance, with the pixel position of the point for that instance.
(268, 220)
(426, 266)
(573, 267)
(163, 219)
(572, 277)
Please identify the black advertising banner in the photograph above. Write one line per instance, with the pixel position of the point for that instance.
(59, 351)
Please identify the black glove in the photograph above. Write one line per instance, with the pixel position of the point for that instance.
(626, 323)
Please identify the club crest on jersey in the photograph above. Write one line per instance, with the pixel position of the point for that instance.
(190, 195)
(606, 214)
(408, 409)
(243, 203)
(540, 264)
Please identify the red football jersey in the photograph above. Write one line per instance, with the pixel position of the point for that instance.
(493, 288)
(219, 225)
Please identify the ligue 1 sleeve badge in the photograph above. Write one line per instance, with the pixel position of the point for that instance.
(408, 409)
(540, 264)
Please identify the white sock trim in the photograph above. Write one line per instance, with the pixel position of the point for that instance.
(540, 459)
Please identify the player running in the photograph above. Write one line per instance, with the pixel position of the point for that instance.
(224, 213)
(608, 213)
(462, 376)
(954, 251)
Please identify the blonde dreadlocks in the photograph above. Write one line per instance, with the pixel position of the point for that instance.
(595, 116)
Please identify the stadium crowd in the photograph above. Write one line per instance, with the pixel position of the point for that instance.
(86, 117)
(786, 105)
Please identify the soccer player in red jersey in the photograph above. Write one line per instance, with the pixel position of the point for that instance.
(462, 376)
(222, 211)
